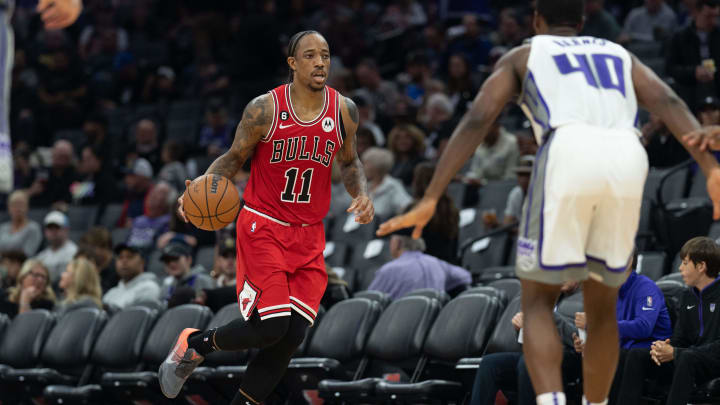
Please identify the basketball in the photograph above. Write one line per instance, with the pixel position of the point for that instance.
(211, 202)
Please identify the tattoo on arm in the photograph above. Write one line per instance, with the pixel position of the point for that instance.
(353, 174)
(256, 119)
(353, 110)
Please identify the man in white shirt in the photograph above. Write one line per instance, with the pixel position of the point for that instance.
(60, 250)
(135, 285)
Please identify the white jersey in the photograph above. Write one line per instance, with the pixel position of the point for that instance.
(578, 80)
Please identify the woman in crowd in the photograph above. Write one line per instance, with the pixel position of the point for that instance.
(32, 291)
(407, 143)
(20, 233)
(80, 284)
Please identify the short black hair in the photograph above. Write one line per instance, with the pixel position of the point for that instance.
(292, 46)
(703, 249)
(561, 13)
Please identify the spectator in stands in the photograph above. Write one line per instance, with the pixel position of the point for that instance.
(662, 147)
(11, 262)
(160, 87)
(33, 290)
(516, 198)
(407, 144)
(599, 22)
(177, 257)
(506, 371)
(367, 116)
(527, 145)
(98, 241)
(173, 171)
(709, 111)
(138, 182)
(146, 228)
(643, 318)
(216, 135)
(435, 117)
(20, 233)
(462, 87)
(441, 233)
(365, 139)
(146, 144)
(388, 194)
(495, 158)
(411, 269)
(95, 128)
(53, 186)
(653, 21)
(102, 34)
(80, 285)
(692, 355)
(60, 250)
(415, 78)
(694, 54)
(471, 43)
(95, 183)
(225, 261)
(135, 285)
(23, 173)
(511, 30)
(383, 94)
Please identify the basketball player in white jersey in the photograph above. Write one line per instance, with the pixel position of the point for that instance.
(583, 204)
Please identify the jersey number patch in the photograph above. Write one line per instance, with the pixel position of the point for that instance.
(288, 195)
(608, 68)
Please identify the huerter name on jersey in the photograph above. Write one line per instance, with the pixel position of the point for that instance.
(297, 148)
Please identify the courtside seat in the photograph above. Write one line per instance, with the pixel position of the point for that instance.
(442, 297)
(144, 384)
(397, 339)
(511, 286)
(380, 297)
(65, 354)
(489, 291)
(461, 330)
(568, 306)
(337, 346)
(118, 348)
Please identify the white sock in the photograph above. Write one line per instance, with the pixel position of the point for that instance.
(551, 398)
(586, 402)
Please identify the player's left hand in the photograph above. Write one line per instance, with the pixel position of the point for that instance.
(662, 351)
(363, 209)
(57, 14)
(704, 138)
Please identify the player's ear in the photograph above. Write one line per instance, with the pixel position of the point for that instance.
(291, 62)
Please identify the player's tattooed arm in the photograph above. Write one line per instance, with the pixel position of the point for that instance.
(351, 169)
(255, 122)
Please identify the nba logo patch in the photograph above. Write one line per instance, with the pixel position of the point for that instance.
(247, 299)
(252, 228)
(328, 124)
(648, 302)
(712, 307)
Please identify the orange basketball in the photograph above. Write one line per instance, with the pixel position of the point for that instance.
(211, 202)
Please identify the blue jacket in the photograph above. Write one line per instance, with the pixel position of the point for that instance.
(641, 313)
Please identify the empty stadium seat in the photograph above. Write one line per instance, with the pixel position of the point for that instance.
(396, 339)
(461, 330)
(382, 298)
(511, 286)
(336, 253)
(337, 346)
(118, 348)
(651, 264)
(110, 215)
(367, 258)
(144, 384)
(119, 235)
(568, 306)
(345, 229)
(205, 256)
(494, 194)
(489, 291)
(65, 354)
(441, 296)
(487, 253)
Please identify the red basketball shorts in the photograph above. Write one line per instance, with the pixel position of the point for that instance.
(280, 267)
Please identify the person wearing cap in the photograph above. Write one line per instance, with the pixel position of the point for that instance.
(694, 53)
(513, 207)
(411, 269)
(177, 258)
(138, 182)
(709, 111)
(135, 285)
(60, 249)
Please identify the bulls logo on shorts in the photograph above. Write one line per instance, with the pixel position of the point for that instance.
(328, 124)
(247, 299)
(283, 115)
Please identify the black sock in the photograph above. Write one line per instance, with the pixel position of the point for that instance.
(243, 399)
(203, 342)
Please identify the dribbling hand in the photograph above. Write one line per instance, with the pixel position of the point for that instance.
(57, 14)
(181, 209)
(363, 209)
(417, 217)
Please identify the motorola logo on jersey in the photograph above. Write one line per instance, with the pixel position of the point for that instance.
(328, 124)
(284, 115)
(298, 148)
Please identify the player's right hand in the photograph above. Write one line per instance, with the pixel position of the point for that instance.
(181, 209)
(418, 217)
(704, 138)
(57, 14)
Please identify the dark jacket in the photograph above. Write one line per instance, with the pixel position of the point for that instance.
(683, 57)
(698, 322)
(641, 313)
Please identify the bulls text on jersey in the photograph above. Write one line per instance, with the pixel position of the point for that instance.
(297, 148)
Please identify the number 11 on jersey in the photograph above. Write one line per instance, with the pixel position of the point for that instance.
(288, 195)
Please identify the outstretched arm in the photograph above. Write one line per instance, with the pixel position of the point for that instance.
(57, 14)
(495, 93)
(351, 168)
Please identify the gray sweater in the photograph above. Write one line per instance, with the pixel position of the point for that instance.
(28, 239)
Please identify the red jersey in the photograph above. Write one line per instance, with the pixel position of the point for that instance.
(291, 167)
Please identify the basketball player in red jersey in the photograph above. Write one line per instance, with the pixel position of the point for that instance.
(293, 133)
